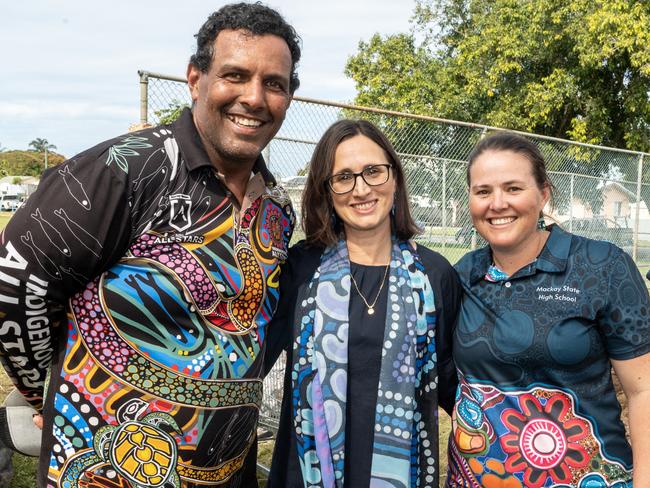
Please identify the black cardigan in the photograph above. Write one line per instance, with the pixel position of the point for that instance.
(297, 274)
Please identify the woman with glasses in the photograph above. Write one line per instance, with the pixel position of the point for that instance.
(366, 316)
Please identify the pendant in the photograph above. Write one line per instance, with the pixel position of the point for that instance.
(371, 311)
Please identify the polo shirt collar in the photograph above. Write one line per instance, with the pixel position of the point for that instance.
(481, 259)
(193, 152)
(552, 259)
(555, 254)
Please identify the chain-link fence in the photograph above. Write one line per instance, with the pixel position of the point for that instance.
(600, 192)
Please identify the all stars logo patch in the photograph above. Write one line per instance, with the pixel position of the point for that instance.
(180, 215)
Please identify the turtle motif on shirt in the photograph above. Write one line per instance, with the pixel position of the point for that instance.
(138, 448)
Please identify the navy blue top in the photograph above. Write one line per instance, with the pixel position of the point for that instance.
(536, 400)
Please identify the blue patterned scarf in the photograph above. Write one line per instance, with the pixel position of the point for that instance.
(405, 448)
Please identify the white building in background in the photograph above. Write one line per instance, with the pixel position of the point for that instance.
(14, 190)
(18, 185)
(619, 206)
(22, 186)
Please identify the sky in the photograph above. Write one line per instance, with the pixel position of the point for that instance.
(69, 67)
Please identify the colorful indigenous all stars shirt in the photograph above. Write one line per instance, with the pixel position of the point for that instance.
(168, 286)
(536, 406)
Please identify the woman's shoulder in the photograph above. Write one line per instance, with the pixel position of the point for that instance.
(303, 260)
(473, 262)
(580, 249)
(429, 256)
(303, 250)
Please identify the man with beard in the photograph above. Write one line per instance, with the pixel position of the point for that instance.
(143, 272)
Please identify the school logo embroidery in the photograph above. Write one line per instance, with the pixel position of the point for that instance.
(180, 217)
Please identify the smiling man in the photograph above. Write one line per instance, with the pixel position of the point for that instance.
(143, 272)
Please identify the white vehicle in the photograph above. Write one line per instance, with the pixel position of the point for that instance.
(10, 203)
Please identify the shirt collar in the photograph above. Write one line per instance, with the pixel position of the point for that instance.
(481, 260)
(555, 254)
(193, 151)
(552, 259)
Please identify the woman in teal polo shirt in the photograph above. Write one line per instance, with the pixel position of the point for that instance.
(545, 316)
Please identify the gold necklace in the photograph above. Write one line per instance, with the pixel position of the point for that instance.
(371, 306)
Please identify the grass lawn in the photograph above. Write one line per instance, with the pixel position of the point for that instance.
(4, 218)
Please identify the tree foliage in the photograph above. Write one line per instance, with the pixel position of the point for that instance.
(577, 69)
(41, 145)
(169, 114)
(26, 163)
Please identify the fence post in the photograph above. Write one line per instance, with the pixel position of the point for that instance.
(444, 202)
(635, 241)
(473, 242)
(571, 204)
(144, 96)
(266, 154)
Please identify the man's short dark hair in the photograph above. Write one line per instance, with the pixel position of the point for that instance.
(254, 17)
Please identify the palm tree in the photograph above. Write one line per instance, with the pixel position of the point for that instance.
(42, 145)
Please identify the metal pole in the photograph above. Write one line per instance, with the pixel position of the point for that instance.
(263, 470)
(474, 243)
(444, 202)
(46, 157)
(571, 204)
(635, 241)
(266, 154)
(144, 96)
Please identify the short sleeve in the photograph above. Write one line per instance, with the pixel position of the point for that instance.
(625, 320)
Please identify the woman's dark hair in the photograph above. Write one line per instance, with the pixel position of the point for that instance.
(507, 141)
(319, 220)
(256, 18)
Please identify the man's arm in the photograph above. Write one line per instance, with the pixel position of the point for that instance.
(70, 229)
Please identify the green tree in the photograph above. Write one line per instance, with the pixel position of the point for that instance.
(169, 114)
(44, 146)
(577, 69)
(41, 145)
(25, 163)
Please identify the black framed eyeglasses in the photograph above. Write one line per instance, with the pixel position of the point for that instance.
(373, 175)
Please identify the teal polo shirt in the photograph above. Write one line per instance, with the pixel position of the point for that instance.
(536, 404)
